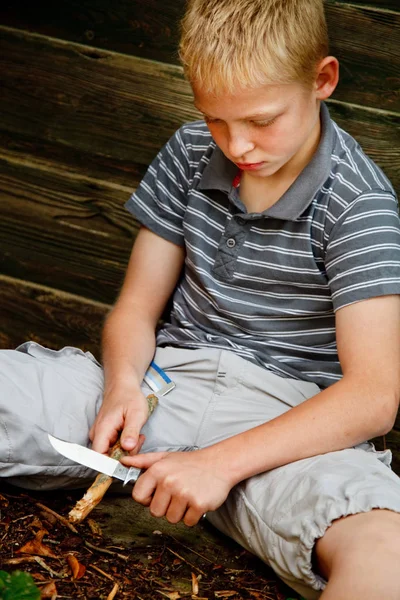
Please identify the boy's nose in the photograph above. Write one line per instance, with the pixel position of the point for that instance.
(239, 146)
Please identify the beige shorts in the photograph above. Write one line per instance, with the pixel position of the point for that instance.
(277, 515)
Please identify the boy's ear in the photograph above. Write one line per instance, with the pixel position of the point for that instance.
(327, 77)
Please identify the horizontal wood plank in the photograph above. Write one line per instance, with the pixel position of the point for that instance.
(366, 41)
(64, 232)
(146, 28)
(48, 317)
(397, 423)
(107, 117)
(104, 105)
(72, 161)
(364, 36)
(377, 133)
(392, 5)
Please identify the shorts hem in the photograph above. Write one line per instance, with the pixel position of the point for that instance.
(314, 531)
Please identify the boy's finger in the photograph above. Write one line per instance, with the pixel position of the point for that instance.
(130, 434)
(143, 461)
(138, 446)
(104, 438)
(129, 438)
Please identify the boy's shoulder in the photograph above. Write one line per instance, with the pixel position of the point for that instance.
(353, 172)
(195, 133)
(191, 142)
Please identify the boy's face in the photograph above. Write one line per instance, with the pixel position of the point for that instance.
(265, 129)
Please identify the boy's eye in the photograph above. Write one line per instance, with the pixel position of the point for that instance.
(264, 123)
(210, 120)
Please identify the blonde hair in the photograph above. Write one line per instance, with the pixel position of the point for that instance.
(231, 44)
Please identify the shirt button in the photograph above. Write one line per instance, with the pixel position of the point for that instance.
(231, 243)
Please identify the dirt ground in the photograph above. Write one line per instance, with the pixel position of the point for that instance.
(120, 551)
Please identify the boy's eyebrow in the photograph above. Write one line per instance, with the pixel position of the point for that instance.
(265, 115)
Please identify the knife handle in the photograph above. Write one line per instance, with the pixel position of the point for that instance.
(132, 475)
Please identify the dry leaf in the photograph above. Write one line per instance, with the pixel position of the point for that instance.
(78, 570)
(49, 590)
(195, 585)
(37, 523)
(3, 502)
(36, 546)
(225, 594)
(38, 577)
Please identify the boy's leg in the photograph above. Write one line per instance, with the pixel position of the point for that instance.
(45, 391)
(218, 394)
(359, 557)
(280, 516)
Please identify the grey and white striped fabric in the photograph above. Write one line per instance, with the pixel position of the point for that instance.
(266, 285)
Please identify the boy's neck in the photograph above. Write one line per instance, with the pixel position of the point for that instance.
(259, 194)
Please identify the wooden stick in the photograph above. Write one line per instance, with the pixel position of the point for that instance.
(102, 482)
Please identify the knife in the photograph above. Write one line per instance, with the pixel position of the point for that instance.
(94, 460)
(160, 383)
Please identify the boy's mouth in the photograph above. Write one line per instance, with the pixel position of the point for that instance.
(250, 166)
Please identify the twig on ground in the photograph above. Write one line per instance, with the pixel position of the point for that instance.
(190, 549)
(101, 571)
(113, 592)
(104, 551)
(49, 569)
(186, 561)
(62, 520)
(19, 561)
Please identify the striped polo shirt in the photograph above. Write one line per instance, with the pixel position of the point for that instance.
(266, 285)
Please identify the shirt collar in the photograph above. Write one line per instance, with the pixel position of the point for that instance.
(220, 172)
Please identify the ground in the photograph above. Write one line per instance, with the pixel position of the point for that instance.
(120, 551)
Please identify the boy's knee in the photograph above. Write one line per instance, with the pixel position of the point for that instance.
(376, 533)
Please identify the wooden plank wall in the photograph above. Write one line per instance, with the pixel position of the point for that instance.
(90, 90)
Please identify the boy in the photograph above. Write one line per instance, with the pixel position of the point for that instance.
(281, 241)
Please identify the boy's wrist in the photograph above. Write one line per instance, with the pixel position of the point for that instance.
(122, 381)
(220, 456)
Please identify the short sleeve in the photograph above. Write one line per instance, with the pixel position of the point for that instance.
(362, 257)
(160, 200)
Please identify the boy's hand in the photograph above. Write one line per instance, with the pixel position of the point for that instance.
(124, 412)
(179, 485)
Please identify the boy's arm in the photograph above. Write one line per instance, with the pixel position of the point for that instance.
(362, 405)
(129, 338)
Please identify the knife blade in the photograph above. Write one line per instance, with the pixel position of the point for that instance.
(94, 460)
